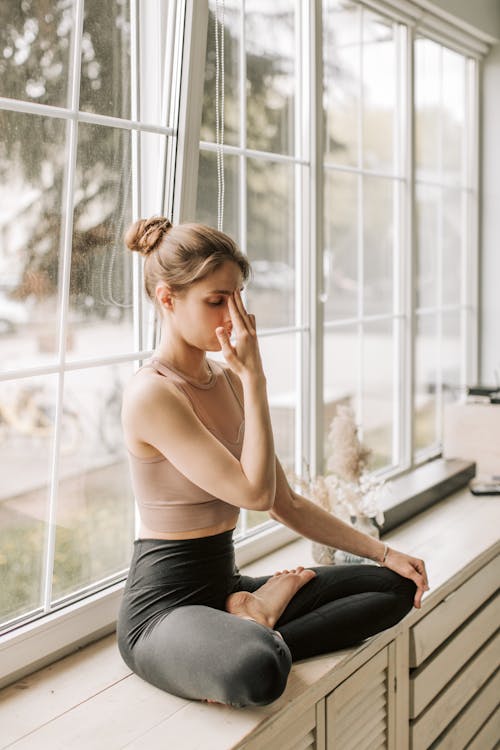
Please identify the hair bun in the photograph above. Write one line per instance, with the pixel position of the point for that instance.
(144, 235)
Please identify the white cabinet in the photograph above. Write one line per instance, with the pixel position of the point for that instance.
(301, 731)
(454, 658)
(359, 711)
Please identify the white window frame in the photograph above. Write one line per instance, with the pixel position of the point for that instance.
(91, 611)
(34, 644)
(411, 16)
(301, 159)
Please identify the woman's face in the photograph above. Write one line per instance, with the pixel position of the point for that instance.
(204, 307)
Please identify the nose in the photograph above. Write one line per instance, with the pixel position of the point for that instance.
(227, 323)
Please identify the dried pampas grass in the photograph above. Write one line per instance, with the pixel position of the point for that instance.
(346, 490)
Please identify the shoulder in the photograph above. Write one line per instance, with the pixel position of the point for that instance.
(147, 391)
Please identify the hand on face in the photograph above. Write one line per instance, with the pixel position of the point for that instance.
(243, 358)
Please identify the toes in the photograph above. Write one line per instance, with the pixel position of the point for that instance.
(309, 574)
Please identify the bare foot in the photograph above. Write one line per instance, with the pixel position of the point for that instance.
(267, 603)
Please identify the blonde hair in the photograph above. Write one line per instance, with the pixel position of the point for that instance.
(182, 254)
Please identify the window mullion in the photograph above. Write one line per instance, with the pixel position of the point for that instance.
(190, 107)
(398, 401)
(409, 244)
(301, 112)
(135, 158)
(360, 227)
(471, 274)
(314, 347)
(65, 272)
(243, 131)
(440, 248)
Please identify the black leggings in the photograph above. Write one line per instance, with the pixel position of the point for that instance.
(174, 633)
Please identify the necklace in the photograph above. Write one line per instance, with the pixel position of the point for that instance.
(189, 378)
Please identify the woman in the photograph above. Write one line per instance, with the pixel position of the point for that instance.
(201, 447)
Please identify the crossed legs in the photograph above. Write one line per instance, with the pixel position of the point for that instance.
(203, 653)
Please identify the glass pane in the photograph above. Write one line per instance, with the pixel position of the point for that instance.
(453, 213)
(271, 242)
(341, 85)
(27, 409)
(379, 92)
(453, 115)
(427, 107)
(378, 392)
(278, 357)
(151, 171)
(155, 40)
(340, 375)
(270, 42)
(341, 23)
(101, 269)
(232, 16)
(105, 71)
(452, 356)
(206, 205)
(426, 370)
(378, 257)
(32, 166)
(340, 260)
(35, 39)
(428, 202)
(95, 512)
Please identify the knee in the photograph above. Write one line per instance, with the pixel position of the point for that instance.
(406, 590)
(263, 669)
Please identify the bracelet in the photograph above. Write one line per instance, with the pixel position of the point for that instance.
(386, 550)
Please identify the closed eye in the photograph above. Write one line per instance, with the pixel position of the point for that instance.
(215, 304)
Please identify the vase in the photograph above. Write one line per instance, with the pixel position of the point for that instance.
(323, 554)
(367, 525)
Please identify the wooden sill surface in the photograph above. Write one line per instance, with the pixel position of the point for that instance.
(90, 699)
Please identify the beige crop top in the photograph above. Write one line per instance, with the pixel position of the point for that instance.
(167, 500)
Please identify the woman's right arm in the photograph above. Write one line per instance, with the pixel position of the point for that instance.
(157, 415)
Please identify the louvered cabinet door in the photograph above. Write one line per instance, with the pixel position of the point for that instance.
(305, 731)
(358, 710)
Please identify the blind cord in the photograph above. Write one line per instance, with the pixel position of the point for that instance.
(219, 108)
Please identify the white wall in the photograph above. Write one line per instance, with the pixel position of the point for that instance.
(482, 14)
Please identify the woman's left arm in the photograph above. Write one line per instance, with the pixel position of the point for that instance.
(313, 522)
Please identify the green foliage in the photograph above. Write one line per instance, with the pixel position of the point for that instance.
(35, 51)
(269, 127)
(93, 540)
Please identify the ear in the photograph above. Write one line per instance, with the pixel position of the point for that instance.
(164, 296)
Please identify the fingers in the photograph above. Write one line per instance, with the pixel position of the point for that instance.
(239, 304)
(417, 602)
(225, 343)
(239, 316)
(419, 566)
(421, 582)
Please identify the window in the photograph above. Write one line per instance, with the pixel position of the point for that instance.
(263, 156)
(78, 159)
(397, 310)
(366, 112)
(444, 198)
(364, 212)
